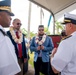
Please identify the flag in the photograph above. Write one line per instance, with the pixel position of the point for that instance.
(49, 21)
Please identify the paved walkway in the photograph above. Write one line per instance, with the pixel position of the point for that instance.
(30, 70)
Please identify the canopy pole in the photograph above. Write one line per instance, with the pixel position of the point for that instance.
(53, 24)
(29, 19)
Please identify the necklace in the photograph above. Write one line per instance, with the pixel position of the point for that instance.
(14, 35)
(42, 41)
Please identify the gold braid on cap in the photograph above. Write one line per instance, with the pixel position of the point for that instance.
(7, 8)
(67, 20)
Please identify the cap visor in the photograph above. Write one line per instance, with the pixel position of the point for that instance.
(65, 23)
(11, 14)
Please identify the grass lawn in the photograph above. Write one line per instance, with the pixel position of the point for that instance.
(31, 60)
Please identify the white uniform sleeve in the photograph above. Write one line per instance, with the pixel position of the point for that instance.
(63, 56)
(8, 59)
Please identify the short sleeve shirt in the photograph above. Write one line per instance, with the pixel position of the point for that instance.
(65, 58)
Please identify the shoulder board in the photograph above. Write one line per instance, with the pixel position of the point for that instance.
(67, 37)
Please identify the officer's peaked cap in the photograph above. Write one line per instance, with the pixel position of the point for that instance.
(69, 18)
(5, 5)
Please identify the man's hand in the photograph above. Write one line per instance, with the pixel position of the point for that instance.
(52, 55)
(54, 51)
(42, 47)
(38, 48)
(25, 59)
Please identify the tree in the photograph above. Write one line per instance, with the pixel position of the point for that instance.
(24, 31)
(58, 27)
(32, 34)
(46, 31)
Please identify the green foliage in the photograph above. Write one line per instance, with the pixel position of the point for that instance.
(46, 31)
(32, 34)
(58, 27)
(24, 31)
(31, 58)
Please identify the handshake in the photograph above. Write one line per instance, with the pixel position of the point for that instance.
(40, 47)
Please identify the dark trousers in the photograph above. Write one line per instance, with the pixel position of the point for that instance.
(50, 69)
(25, 67)
(20, 61)
(41, 66)
(22, 66)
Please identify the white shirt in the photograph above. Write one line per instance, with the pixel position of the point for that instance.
(8, 59)
(65, 58)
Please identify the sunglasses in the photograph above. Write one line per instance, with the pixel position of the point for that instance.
(19, 24)
(41, 29)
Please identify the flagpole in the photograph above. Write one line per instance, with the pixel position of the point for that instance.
(52, 15)
(49, 21)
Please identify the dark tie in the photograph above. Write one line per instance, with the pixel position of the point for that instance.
(19, 46)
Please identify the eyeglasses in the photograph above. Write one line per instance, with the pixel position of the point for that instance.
(19, 24)
(41, 29)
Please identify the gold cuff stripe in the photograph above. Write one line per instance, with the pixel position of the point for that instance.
(5, 8)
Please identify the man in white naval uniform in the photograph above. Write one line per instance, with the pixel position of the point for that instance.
(8, 59)
(63, 59)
